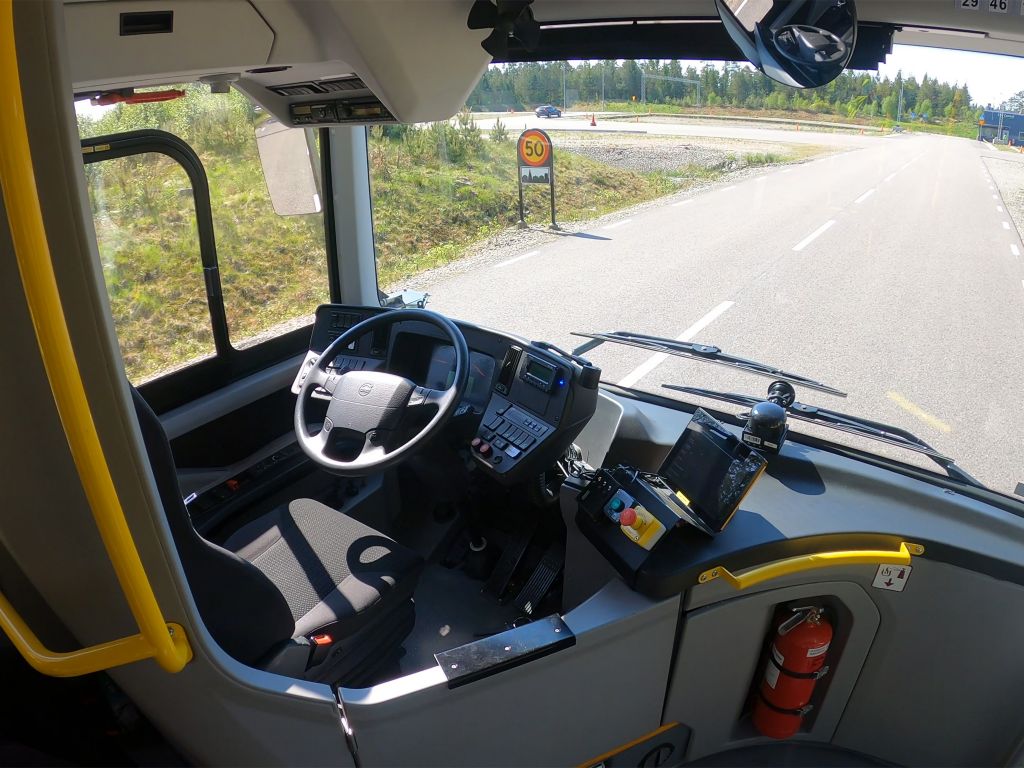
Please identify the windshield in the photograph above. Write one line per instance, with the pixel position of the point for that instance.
(863, 234)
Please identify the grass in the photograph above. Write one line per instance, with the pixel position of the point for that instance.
(436, 191)
(428, 210)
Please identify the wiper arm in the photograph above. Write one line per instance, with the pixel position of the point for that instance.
(706, 352)
(844, 423)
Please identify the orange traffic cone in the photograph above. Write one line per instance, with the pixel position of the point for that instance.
(593, 120)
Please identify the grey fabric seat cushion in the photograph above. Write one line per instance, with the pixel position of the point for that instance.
(335, 573)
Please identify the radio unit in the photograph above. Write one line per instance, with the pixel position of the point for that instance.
(541, 374)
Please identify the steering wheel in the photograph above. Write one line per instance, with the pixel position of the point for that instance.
(373, 405)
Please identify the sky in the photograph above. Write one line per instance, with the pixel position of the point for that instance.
(990, 79)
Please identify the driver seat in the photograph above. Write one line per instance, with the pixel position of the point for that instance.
(299, 572)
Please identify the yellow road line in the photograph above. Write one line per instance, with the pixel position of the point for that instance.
(915, 410)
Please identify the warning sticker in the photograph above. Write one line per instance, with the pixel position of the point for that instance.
(812, 652)
(771, 675)
(892, 577)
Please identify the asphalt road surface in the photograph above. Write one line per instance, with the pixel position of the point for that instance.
(694, 129)
(890, 271)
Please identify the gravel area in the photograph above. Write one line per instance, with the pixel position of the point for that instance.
(1007, 170)
(662, 153)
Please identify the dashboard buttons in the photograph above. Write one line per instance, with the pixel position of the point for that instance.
(512, 452)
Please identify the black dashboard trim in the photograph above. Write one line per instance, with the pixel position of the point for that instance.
(987, 496)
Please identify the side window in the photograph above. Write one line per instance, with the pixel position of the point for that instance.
(149, 247)
(265, 272)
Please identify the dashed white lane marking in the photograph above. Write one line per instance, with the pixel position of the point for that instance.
(1006, 225)
(682, 202)
(729, 188)
(999, 208)
(788, 170)
(890, 176)
(657, 359)
(995, 197)
(811, 237)
(1014, 250)
(516, 258)
(617, 224)
(865, 196)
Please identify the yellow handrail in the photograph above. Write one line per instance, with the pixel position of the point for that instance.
(157, 639)
(812, 562)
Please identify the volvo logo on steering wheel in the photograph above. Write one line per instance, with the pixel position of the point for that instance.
(365, 389)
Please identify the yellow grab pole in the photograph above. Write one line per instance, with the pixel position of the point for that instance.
(21, 199)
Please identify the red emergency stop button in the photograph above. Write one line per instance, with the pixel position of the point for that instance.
(475, 443)
(627, 517)
(484, 449)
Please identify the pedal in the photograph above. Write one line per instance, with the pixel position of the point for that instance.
(540, 581)
(514, 550)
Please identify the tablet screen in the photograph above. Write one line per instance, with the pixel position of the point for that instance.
(712, 468)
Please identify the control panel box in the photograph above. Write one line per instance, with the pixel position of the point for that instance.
(626, 514)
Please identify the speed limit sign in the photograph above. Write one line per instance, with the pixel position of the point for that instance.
(536, 163)
(534, 148)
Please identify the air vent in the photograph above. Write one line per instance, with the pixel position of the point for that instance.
(147, 23)
(342, 84)
(296, 89)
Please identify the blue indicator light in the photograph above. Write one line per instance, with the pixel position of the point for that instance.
(561, 382)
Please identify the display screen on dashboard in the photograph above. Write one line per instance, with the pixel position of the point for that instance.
(712, 468)
(441, 373)
(540, 371)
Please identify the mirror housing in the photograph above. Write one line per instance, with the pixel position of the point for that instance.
(800, 43)
(288, 156)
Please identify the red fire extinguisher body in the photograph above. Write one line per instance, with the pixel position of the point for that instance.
(795, 664)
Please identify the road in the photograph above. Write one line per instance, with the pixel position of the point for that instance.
(891, 272)
(694, 129)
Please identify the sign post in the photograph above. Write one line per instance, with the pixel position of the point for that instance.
(536, 163)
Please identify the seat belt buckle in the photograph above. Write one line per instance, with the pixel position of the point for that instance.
(321, 647)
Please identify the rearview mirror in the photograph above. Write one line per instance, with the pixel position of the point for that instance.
(802, 43)
(288, 159)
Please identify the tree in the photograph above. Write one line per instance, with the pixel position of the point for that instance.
(889, 107)
(1014, 104)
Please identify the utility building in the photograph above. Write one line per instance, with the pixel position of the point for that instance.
(1005, 127)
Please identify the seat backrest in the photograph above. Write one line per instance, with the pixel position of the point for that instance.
(243, 610)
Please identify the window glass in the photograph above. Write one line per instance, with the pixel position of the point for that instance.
(864, 234)
(273, 268)
(149, 247)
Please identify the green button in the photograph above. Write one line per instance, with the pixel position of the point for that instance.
(616, 505)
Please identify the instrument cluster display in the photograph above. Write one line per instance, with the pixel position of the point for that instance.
(441, 373)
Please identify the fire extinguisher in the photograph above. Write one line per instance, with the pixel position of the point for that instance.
(795, 664)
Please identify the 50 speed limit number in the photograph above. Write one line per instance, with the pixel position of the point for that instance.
(534, 148)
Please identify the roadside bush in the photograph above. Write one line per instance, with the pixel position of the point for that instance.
(499, 132)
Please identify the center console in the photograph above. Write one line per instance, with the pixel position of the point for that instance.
(541, 400)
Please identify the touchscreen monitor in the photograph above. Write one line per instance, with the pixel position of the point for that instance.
(712, 469)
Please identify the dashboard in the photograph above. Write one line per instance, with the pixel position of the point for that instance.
(528, 400)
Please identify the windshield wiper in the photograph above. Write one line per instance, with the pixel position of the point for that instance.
(843, 422)
(706, 352)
